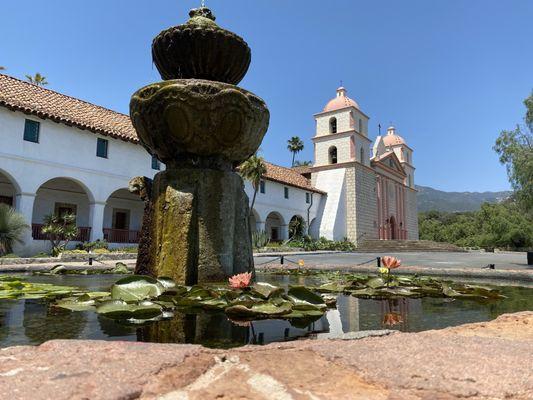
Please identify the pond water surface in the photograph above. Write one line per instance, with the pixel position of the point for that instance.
(24, 322)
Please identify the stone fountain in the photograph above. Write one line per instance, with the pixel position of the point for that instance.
(202, 126)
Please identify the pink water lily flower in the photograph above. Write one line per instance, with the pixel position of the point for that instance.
(391, 262)
(240, 281)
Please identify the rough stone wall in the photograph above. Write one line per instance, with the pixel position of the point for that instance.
(351, 195)
(344, 122)
(343, 150)
(365, 203)
(411, 211)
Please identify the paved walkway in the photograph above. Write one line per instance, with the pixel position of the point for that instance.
(507, 261)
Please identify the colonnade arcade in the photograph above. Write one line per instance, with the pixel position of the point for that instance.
(275, 223)
(115, 216)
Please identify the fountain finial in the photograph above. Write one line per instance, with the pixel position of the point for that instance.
(203, 11)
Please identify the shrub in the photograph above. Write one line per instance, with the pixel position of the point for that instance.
(10, 255)
(42, 254)
(91, 246)
(260, 239)
(101, 251)
(310, 244)
(131, 250)
(75, 251)
(12, 228)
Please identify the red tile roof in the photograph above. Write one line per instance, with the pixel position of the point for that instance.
(31, 99)
(289, 177)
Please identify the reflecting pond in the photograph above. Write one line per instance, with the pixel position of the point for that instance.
(24, 322)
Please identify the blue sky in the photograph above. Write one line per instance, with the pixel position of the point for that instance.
(450, 74)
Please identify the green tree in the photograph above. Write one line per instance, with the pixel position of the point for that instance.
(503, 225)
(12, 228)
(60, 231)
(515, 149)
(253, 170)
(296, 227)
(302, 164)
(37, 79)
(295, 145)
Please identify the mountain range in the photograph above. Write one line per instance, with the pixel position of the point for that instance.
(433, 199)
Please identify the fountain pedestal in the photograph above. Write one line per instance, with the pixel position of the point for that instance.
(200, 230)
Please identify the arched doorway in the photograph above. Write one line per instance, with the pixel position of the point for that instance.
(62, 196)
(393, 228)
(8, 189)
(274, 225)
(123, 216)
(296, 227)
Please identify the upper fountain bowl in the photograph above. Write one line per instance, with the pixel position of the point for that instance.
(200, 49)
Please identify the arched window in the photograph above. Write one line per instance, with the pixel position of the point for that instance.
(360, 125)
(362, 155)
(333, 125)
(333, 155)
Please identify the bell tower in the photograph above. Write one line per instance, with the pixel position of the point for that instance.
(342, 151)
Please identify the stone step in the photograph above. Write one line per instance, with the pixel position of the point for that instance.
(407, 246)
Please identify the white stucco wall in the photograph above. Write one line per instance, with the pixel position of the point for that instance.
(69, 153)
(273, 200)
(333, 218)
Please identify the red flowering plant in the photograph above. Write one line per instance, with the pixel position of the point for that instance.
(388, 263)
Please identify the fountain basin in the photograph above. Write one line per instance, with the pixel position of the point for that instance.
(183, 118)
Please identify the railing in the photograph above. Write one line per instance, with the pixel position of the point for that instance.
(84, 233)
(121, 236)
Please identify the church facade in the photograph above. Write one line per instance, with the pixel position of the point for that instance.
(370, 185)
(60, 154)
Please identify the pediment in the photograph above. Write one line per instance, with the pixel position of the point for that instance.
(389, 161)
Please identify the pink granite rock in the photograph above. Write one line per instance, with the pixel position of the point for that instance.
(477, 361)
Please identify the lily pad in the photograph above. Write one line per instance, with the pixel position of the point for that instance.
(118, 309)
(76, 304)
(265, 309)
(266, 290)
(136, 288)
(305, 299)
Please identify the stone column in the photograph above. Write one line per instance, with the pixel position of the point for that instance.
(24, 204)
(284, 232)
(96, 219)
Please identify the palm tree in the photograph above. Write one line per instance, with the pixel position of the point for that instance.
(12, 227)
(253, 170)
(37, 79)
(295, 145)
(303, 163)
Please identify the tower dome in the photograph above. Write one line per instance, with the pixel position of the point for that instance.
(391, 138)
(340, 101)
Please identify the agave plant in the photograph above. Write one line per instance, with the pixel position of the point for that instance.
(260, 239)
(12, 228)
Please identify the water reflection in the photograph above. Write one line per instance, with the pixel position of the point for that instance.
(39, 318)
(33, 321)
